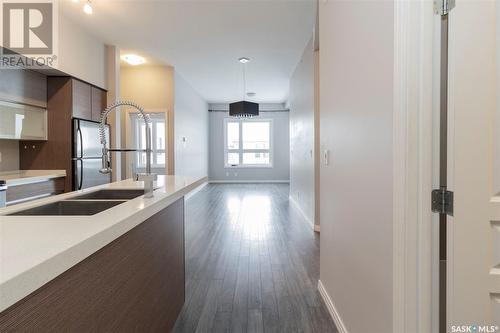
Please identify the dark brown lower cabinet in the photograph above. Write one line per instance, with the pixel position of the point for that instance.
(134, 284)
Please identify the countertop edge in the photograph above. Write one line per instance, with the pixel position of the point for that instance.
(24, 180)
(27, 282)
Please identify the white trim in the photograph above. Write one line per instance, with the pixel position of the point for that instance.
(331, 308)
(299, 209)
(196, 190)
(137, 138)
(412, 158)
(237, 181)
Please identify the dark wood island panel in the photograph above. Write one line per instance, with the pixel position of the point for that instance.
(134, 284)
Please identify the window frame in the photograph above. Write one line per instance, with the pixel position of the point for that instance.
(241, 150)
(137, 122)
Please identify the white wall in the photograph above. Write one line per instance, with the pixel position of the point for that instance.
(281, 164)
(80, 54)
(302, 132)
(152, 87)
(356, 103)
(190, 130)
(114, 118)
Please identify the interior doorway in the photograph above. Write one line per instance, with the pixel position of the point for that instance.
(136, 135)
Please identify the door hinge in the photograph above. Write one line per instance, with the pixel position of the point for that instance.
(443, 7)
(442, 202)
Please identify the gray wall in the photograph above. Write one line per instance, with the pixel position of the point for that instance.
(191, 123)
(281, 164)
(302, 132)
(356, 107)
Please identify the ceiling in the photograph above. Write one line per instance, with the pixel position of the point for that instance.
(203, 40)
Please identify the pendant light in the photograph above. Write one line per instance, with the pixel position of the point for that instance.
(244, 109)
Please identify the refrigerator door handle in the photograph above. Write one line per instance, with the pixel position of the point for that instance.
(81, 175)
(81, 141)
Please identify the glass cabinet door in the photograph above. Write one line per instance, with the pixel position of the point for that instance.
(22, 122)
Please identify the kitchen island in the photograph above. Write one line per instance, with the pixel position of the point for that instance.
(119, 270)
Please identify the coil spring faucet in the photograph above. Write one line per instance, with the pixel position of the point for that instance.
(148, 178)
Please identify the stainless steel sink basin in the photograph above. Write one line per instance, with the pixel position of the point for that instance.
(69, 208)
(111, 195)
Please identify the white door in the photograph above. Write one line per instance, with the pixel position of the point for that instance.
(474, 174)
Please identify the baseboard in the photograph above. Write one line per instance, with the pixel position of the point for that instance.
(236, 181)
(196, 190)
(331, 308)
(297, 206)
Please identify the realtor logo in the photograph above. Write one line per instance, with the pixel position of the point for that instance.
(28, 29)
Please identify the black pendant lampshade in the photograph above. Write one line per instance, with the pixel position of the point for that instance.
(243, 109)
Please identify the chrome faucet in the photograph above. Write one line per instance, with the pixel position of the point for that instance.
(148, 178)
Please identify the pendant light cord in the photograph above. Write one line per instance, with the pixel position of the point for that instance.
(244, 81)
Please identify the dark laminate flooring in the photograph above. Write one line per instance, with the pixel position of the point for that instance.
(252, 263)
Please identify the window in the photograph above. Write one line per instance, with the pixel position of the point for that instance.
(248, 143)
(158, 134)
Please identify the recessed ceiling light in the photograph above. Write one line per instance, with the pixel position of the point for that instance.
(133, 59)
(251, 94)
(87, 8)
(244, 60)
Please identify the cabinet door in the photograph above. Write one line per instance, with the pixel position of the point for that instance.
(98, 103)
(22, 122)
(82, 100)
(24, 87)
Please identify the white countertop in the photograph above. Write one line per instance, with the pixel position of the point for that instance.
(21, 177)
(36, 249)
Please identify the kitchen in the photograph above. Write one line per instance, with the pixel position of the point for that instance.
(61, 192)
(245, 166)
(64, 203)
(102, 155)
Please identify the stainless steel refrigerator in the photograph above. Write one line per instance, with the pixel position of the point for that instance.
(87, 151)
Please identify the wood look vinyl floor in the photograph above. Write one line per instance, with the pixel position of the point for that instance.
(252, 263)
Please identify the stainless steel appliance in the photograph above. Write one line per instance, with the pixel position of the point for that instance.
(3, 193)
(87, 154)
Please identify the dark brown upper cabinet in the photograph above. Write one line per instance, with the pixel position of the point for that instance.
(82, 100)
(98, 103)
(88, 101)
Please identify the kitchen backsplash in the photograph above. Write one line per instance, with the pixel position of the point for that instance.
(9, 155)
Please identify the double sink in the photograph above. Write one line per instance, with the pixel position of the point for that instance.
(84, 205)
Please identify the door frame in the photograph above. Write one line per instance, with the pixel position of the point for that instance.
(415, 256)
